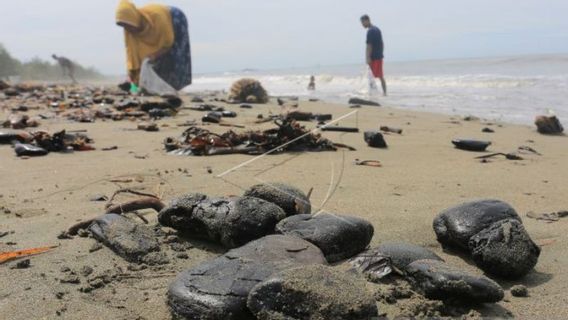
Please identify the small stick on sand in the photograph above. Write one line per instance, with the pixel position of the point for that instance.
(149, 202)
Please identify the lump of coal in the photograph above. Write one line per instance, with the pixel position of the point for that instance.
(128, 239)
(312, 292)
(519, 291)
(339, 237)
(30, 150)
(231, 222)
(279, 248)
(218, 289)
(402, 254)
(504, 249)
(455, 226)
(439, 281)
(287, 197)
(364, 102)
(548, 125)
(248, 90)
(375, 139)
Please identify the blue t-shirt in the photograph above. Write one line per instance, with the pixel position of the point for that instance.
(375, 39)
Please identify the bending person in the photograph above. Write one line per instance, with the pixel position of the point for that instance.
(159, 33)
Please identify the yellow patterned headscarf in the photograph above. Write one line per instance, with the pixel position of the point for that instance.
(157, 32)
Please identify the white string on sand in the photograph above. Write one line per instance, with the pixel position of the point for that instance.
(283, 145)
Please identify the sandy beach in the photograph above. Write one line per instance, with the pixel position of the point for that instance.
(421, 174)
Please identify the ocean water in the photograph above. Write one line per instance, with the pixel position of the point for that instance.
(509, 89)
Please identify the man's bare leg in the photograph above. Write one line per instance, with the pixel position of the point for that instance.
(72, 76)
(384, 85)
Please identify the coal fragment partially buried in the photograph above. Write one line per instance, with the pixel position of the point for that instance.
(231, 222)
(440, 281)
(218, 289)
(401, 254)
(505, 249)
(291, 199)
(471, 145)
(312, 292)
(128, 239)
(339, 237)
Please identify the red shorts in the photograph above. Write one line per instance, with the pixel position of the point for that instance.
(377, 68)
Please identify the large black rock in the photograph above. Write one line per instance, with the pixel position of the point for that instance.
(402, 254)
(312, 292)
(130, 240)
(287, 197)
(339, 237)
(505, 249)
(218, 289)
(439, 281)
(455, 226)
(231, 222)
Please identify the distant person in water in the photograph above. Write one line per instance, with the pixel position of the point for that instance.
(67, 67)
(312, 85)
(375, 50)
(159, 33)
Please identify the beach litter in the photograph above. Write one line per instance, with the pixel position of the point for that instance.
(363, 102)
(508, 156)
(369, 163)
(549, 125)
(375, 139)
(388, 129)
(42, 143)
(13, 255)
(471, 145)
(287, 136)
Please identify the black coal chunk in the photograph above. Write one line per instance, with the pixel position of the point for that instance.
(339, 237)
(402, 254)
(364, 102)
(29, 150)
(218, 289)
(130, 240)
(439, 281)
(231, 222)
(287, 197)
(505, 249)
(375, 139)
(312, 292)
(455, 226)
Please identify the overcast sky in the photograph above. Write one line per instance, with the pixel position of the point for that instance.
(261, 34)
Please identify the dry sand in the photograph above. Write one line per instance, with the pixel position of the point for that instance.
(422, 174)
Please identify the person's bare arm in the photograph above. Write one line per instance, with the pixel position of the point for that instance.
(368, 53)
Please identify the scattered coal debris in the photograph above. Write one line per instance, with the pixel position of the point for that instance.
(82, 104)
(287, 136)
(41, 143)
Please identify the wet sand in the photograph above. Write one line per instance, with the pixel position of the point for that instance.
(421, 174)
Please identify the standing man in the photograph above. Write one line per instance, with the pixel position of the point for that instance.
(375, 50)
(67, 67)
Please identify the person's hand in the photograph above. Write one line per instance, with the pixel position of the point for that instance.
(369, 62)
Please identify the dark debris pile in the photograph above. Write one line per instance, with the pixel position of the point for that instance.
(287, 136)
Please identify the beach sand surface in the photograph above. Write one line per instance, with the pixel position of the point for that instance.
(421, 175)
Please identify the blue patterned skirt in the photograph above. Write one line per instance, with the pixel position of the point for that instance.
(174, 66)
